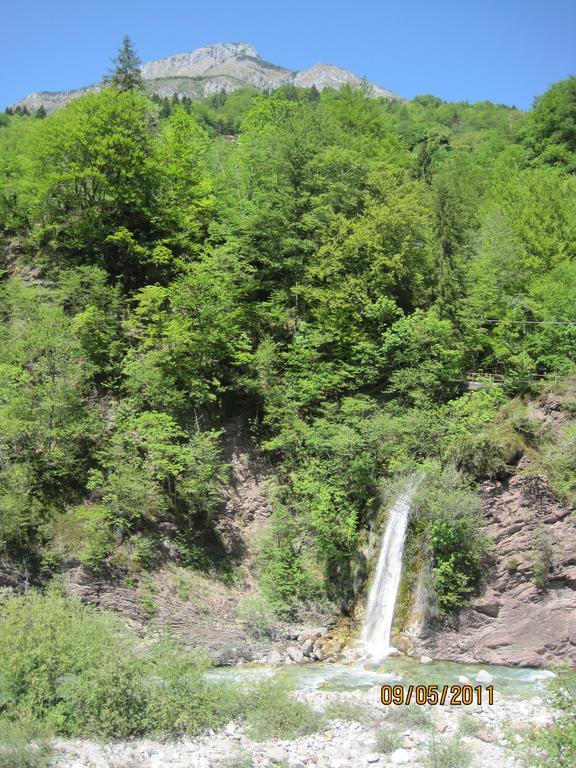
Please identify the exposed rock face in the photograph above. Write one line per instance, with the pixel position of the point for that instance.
(515, 621)
(211, 69)
(328, 76)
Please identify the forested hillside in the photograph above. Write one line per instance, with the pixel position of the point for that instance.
(334, 268)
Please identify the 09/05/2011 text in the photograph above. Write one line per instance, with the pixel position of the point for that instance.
(456, 695)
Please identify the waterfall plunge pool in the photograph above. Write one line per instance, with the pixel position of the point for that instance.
(510, 682)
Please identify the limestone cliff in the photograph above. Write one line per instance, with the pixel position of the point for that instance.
(526, 614)
(211, 69)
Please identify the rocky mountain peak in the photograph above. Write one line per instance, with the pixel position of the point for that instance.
(200, 62)
(214, 68)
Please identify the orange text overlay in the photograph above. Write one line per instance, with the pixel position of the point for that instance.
(456, 695)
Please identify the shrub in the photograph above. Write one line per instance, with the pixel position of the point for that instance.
(452, 519)
(240, 759)
(21, 747)
(555, 746)
(448, 754)
(349, 710)
(387, 740)
(411, 715)
(468, 725)
(273, 713)
(73, 669)
(257, 615)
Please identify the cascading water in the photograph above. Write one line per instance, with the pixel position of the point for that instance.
(379, 615)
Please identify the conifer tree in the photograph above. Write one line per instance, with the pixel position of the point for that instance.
(126, 75)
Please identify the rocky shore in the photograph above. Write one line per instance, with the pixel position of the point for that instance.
(486, 733)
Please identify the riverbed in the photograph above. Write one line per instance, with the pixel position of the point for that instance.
(489, 738)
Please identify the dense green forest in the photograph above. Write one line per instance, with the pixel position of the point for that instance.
(333, 267)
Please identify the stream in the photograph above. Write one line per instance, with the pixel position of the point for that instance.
(510, 682)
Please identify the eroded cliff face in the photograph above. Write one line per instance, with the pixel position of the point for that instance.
(212, 69)
(526, 614)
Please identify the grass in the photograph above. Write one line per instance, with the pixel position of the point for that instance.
(92, 682)
(272, 712)
(412, 715)
(387, 740)
(349, 711)
(468, 725)
(447, 754)
(22, 747)
(240, 759)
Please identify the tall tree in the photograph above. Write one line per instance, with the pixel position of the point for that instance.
(126, 75)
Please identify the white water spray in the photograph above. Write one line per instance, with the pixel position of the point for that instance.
(379, 615)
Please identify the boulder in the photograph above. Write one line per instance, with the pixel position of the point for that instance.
(400, 756)
(275, 658)
(484, 677)
(307, 647)
(295, 654)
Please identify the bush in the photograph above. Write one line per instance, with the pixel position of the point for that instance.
(273, 713)
(73, 669)
(555, 746)
(20, 747)
(240, 759)
(448, 754)
(411, 715)
(387, 740)
(257, 615)
(350, 711)
(468, 725)
(452, 519)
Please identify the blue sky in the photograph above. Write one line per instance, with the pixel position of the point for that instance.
(508, 51)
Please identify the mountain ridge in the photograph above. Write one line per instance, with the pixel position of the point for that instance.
(211, 69)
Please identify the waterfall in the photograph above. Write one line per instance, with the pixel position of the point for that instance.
(377, 626)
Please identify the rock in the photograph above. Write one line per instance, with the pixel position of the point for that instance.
(275, 658)
(307, 647)
(373, 758)
(277, 755)
(488, 607)
(425, 660)
(400, 756)
(484, 677)
(514, 622)
(463, 679)
(295, 654)
(487, 737)
(215, 68)
(440, 723)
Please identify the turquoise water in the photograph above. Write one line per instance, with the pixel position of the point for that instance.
(511, 682)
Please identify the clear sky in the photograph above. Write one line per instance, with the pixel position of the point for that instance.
(507, 51)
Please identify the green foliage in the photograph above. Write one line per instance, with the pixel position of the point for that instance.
(329, 266)
(458, 546)
(273, 713)
(22, 747)
(257, 615)
(74, 670)
(349, 711)
(555, 746)
(551, 127)
(410, 715)
(240, 759)
(387, 741)
(448, 754)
